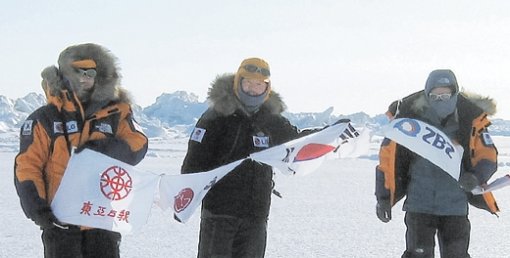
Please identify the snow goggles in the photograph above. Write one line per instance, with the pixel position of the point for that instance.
(255, 69)
(443, 97)
(90, 73)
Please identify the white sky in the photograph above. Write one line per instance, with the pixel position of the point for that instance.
(353, 55)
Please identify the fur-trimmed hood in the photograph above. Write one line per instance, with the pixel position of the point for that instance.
(107, 82)
(487, 104)
(222, 99)
(417, 102)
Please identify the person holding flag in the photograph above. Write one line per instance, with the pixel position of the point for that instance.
(244, 117)
(436, 201)
(86, 108)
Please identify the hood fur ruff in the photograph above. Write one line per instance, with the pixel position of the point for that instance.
(221, 97)
(487, 104)
(107, 82)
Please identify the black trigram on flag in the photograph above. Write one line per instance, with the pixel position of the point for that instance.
(349, 132)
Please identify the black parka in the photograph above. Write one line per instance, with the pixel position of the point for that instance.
(231, 134)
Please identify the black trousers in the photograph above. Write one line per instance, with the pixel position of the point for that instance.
(453, 234)
(231, 237)
(76, 243)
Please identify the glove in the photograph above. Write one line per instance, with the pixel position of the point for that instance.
(468, 181)
(383, 210)
(47, 220)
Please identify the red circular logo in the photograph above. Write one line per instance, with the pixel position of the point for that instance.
(183, 199)
(116, 184)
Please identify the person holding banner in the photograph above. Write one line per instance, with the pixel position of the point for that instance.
(86, 108)
(436, 201)
(244, 117)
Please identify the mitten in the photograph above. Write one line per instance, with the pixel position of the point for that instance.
(383, 210)
(46, 219)
(468, 181)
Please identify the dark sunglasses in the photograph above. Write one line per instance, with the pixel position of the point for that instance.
(255, 69)
(443, 97)
(91, 73)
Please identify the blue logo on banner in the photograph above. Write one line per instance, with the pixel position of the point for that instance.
(408, 127)
(438, 141)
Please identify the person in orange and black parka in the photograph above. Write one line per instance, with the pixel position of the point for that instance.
(436, 202)
(86, 108)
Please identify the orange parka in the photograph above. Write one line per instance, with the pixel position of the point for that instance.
(480, 155)
(105, 123)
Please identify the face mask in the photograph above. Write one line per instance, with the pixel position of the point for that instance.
(251, 103)
(443, 108)
(83, 92)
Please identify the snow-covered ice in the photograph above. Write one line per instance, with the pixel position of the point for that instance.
(329, 213)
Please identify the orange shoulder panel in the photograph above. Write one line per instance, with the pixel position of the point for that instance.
(387, 156)
(479, 150)
(30, 163)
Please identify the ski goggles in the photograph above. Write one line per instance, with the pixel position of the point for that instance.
(90, 73)
(443, 97)
(255, 69)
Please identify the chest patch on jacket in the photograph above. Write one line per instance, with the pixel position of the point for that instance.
(487, 140)
(104, 128)
(27, 127)
(198, 134)
(261, 141)
(71, 127)
(58, 127)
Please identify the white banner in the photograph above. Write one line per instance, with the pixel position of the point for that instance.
(499, 183)
(355, 147)
(428, 142)
(102, 192)
(303, 155)
(184, 193)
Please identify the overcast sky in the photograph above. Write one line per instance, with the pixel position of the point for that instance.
(353, 55)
